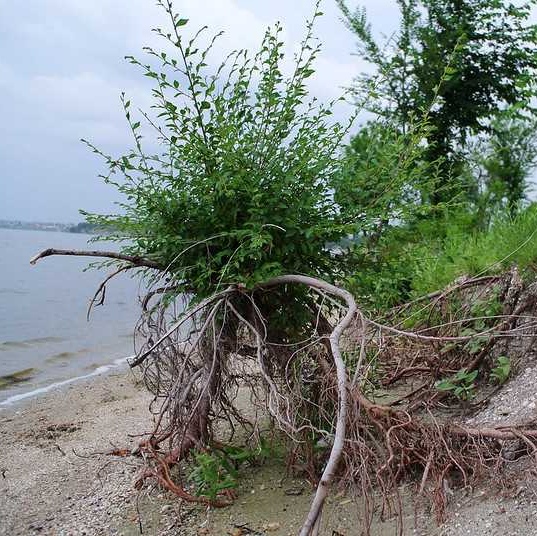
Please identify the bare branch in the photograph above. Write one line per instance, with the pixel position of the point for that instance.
(99, 296)
(134, 260)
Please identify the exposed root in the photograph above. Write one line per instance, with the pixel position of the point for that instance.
(309, 393)
(319, 384)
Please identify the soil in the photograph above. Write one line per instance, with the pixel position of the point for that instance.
(57, 478)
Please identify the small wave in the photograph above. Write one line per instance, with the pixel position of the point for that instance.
(60, 356)
(98, 371)
(7, 345)
(40, 340)
(16, 377)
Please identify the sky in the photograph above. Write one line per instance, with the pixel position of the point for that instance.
(62, 70)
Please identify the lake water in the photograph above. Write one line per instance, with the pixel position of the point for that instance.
(43, 323)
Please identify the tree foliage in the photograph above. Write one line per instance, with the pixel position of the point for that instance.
(459, 60)
(507, 157)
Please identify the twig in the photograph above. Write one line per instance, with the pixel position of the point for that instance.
(101, 290)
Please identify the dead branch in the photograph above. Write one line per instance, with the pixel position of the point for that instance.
(100, 293)
(134, 260)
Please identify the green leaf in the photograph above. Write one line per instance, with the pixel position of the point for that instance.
(445, 385)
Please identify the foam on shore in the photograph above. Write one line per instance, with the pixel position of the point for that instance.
(99, 370)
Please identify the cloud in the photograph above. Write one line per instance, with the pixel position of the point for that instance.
(62, 71)
(62, 96)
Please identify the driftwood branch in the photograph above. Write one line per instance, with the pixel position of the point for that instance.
(134, 260)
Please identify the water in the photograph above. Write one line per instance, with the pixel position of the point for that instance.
(44, 336)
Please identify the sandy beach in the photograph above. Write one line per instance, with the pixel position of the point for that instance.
(57, 479)
(52, 482)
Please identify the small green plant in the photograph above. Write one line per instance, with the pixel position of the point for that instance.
(239, 455)
(501, 372)
(477, 343)
(461, 384)
(213, 473)
(489, 306)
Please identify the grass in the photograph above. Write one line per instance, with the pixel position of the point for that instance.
(507, 242)
(409, 262)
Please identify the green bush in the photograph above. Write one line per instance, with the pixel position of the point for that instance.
(241, 188)
(501, 372)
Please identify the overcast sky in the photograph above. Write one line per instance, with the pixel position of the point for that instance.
(62, 71)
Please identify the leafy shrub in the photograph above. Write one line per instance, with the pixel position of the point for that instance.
(241, 188)
(384, 178)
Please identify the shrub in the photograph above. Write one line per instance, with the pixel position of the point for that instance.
(413, 260)
(241, 187)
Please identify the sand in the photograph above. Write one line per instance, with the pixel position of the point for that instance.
(52, 483)
(57, 479)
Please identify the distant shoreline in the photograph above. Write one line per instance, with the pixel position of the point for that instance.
(55, 227)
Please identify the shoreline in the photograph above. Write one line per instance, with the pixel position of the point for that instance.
(56, 476)
(102, 369)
